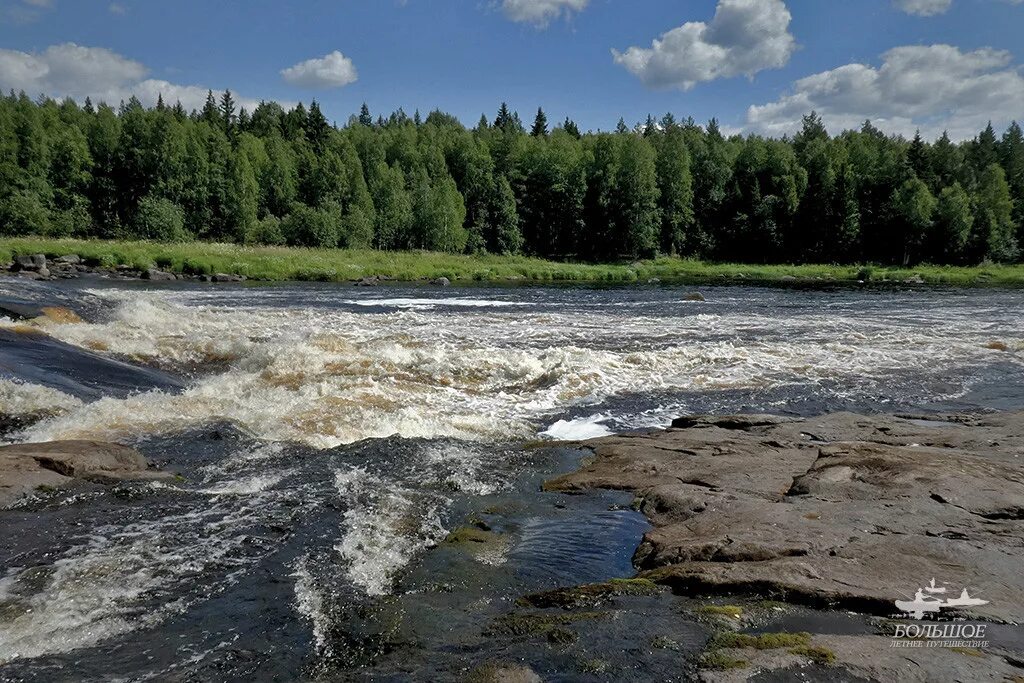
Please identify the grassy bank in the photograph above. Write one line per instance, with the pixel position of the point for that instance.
(287, 263)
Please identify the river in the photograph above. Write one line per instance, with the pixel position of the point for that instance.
(330, 438)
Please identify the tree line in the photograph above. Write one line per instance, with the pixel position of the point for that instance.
(666, 186)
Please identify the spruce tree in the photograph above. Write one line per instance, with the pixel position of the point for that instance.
(571, 128)
(210, 113)
(317, 128)
(540, 125)
(227, 111)
(365, 118)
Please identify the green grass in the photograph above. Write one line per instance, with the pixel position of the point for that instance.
(290, 263)
(731, 611)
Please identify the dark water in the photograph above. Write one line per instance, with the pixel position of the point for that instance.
(329, 439)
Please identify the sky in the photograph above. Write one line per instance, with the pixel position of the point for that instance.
(756, 65)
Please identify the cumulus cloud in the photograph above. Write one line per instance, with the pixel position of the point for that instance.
(117, 8)
(540, 13)
(923, 8)
(70, 70)
(927, 87)
(333, 70)
(744, 37)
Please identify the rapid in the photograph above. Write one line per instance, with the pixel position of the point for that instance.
(330, 439)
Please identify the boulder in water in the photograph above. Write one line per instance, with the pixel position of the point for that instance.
(25, 468)
(442, 281)
(69, 259)
(694, 296)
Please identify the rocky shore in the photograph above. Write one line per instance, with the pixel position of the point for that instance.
(842, 511)
(70, 266)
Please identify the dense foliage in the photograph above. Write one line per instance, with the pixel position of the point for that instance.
(290, 177)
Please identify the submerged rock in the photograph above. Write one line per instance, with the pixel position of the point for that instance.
(840, 510)
(694, 296)
(25, 468)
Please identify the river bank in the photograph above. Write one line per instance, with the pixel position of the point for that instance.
(195, 260)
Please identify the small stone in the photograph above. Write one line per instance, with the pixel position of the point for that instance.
(157, 275)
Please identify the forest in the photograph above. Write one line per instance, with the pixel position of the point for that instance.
(664, 186)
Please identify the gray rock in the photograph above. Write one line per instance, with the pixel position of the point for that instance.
(30, 262)
(69, 259)
(843, 510)
(369, 281)
(788, 278)
(227, 277)
(25, 468)
(157, 275)
(442, 281)
(654, 281)
(44, 272)
(694, 296)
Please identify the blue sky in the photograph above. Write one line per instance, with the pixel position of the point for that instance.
(908, 64)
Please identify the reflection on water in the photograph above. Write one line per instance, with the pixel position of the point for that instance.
(330, 439)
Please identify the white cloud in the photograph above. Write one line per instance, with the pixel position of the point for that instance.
(39, 3)
(540, 13)
(70, 70)
(745, 36)
(117, 8)
(333, 70)
(927, 87)
(924, 8)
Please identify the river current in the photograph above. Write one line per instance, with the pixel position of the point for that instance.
(330, 438)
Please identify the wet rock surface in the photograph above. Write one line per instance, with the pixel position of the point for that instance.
(844, 510)
(31, 467)
(839, 511)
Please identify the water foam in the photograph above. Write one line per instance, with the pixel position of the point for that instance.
(123, 577)
(578, 429)
(24, 399)
(385, 526)
(327, 376)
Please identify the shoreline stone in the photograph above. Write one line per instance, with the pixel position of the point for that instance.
(842, 510)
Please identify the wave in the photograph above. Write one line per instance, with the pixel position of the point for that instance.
(326, 377)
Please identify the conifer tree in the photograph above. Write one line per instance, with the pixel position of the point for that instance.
(540, 125)
(365, 118)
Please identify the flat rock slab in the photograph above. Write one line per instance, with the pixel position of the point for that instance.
(840, 510)
(25, 468)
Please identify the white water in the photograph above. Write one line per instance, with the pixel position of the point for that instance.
(482, 371)
(467, 369)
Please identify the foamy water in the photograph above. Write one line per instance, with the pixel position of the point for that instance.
(468, 368)
(458, 379)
